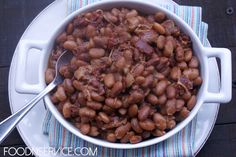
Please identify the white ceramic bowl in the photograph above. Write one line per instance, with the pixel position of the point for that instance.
(203, 54)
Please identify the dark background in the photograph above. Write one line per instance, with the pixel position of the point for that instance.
(16, 15)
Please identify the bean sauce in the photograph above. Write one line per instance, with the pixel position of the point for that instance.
(133, 76)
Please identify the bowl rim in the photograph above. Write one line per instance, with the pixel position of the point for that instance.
(179, 127)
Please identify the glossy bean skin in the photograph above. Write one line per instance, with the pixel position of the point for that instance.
(135, 125)
(160, 121)
(96, 53)
(191, 103)
(152, 99)
(170, 92)
(113, 103)
(133, 110)
(160, 87)
(147, 124)
(143, 113)
(94, 105)
(111, 137)
(122, 130)
(109, 80)
(170, 106)
(87, 112)
(135, 139)
(159, 28)
(49, 75)
(85, 128)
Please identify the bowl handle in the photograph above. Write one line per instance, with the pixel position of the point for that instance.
(21, 85)
(225, 92)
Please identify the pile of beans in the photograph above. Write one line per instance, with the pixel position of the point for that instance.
(133, 76)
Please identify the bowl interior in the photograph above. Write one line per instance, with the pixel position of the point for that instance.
(146, 8)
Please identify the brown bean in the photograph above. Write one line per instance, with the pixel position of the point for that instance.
(115, 11)
(116, 89)
(87, 112)
(143, 113)
(69, 28)
(90, 31)
(133, 22)
(148, 81)
(126, 138)
(170, 92)
(179, 55)
(94, 105)
(168, 49)
(133, 110)
(184, 113)
(191, 73)
(171, 124)
(159, 28)
(93, 131)
(188, 55)
(160, 87)
(70, 38)
(162, 99)
(138, 70)
(191, 102)
(96, 53)
(129, 80)
(49, 75)
(96, 97)
(139, 80)
(60, 94)
(66, 71)
(170, 106)
(100, 41)
(107, 109)
(158, 133)
(132, 13)
(85, 128)
(135, 125)
(146, 134)
(61, 38)
(111, 137)
(147, 124)
(160, 121)
(182, 65)
(81, 99)
(175, 73)
(152, 99)
(186, 96)
(179, 104)
(109, 80)
(122, 111)
(160, 16)
(113, 103)
(135, 139)
(67, 84)
(120, 63)
(135, 97)
(110, 18)
(161, 41)
(197, 81)
(66, 110)
(159, 76)
(70, 45)
(122, 130)
(54, 99)
(193, 63)
(104, 117)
